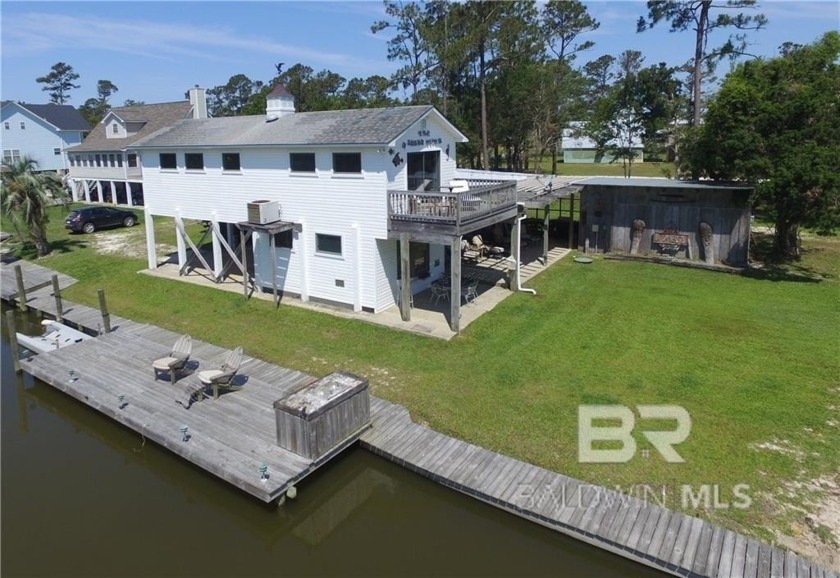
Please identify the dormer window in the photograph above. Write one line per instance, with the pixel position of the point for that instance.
(115, 128)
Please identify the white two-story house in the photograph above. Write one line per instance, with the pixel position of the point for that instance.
(104, 168)
(338, 206)
(41, 132)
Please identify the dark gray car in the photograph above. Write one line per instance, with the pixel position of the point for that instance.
(90, 219)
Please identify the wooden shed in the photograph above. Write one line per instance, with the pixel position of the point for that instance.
(694, 220)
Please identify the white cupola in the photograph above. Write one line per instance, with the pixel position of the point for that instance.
(279, 102)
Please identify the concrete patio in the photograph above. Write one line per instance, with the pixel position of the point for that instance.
(428, 317)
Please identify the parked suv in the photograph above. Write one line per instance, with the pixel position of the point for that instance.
(89, 219)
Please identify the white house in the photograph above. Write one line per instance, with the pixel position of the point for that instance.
(105, 168)
(362, 199)
(42, 132)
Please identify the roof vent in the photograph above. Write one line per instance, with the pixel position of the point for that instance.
(272, 118)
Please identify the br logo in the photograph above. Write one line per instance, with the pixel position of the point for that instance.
(662, 440)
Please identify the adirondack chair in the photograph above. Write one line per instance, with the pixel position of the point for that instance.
(176, 361)
(222, 377)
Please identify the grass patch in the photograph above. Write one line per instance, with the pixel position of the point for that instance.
(753, 361)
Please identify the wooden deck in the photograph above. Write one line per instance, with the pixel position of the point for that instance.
(647, 533)
(34, 277)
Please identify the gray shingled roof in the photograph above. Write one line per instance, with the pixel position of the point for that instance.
(354, 127)
(62, 116)
(156, 117)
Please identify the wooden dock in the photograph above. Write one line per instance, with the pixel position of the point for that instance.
(647, 533)
(35, 277)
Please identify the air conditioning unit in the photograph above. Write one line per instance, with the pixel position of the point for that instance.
(263, 212)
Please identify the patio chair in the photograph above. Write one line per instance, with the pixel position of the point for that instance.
(439, 290)
(470, 292)
(222, 377)
(177, 359)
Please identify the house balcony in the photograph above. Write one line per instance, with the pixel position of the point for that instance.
(106, 173)
(449, 213)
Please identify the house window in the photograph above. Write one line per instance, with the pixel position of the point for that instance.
(168, 161)
(347, 163)
(230, 161)
(115, 128)
(132, 160)
(11, 156)
(6, 125)
(56, 151)
(22, 125)
(328, 244)
(302, 162)
(98, 160)
(89, 161)
(194, 161)
(112, 161)
(119, 160)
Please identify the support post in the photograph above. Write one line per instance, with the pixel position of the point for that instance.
(13, 343)
(179, 239)
(357, 270)
(571, 220)
(59, 309)
(455, 284)
(151, 250)
(303, 250)
(113, 189)
(405, 276)
(21, 290)
(217, 248)
(545, 235)
(103, 308)
(514, 252)
(242, 241)
(273, 246)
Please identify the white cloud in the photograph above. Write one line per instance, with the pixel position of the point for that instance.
(162, 40)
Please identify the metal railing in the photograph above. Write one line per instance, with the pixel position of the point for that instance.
(446, 208)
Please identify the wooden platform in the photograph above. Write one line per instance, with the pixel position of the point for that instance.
(229, 437)
(647, 533)
(34, 277)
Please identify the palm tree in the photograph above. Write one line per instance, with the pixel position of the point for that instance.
(25, 195)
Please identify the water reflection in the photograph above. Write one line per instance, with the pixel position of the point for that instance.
(83, 496)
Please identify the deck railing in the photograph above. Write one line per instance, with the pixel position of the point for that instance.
(446, 208)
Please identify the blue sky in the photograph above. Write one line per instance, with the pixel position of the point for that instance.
(154, 51)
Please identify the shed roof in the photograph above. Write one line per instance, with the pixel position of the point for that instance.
(363, 126)
(663, 183)
(61, 116)
(155, 117)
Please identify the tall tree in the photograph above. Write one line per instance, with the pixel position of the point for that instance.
(59, 82)
(775, 123)
(563, 21)
(231, 98)
(94, 109)
(25, 195)
(697, 15)
(409, 42)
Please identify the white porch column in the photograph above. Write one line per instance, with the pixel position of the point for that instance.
(151, 252)
(128, 198)
(303, 250)
(182, 246)
(113, 192)
(357, 269)
(86, 185)
(99, 191)
(217, 247)
(74, 190)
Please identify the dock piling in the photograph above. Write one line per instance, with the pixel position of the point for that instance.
(13, 342)
(103, 307)
(21, 290)
(59, 310)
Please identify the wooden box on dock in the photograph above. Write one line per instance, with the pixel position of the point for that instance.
(324, 414)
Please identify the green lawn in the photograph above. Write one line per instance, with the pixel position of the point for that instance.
(753, 360)
(654, 169)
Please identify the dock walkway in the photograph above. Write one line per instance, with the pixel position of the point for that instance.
(642, 531)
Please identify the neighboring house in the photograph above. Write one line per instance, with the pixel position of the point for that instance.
(104, 168)
(348, 185)
(42, 132)
(578, 148)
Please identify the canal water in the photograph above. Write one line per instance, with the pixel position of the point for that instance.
(83, 496)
